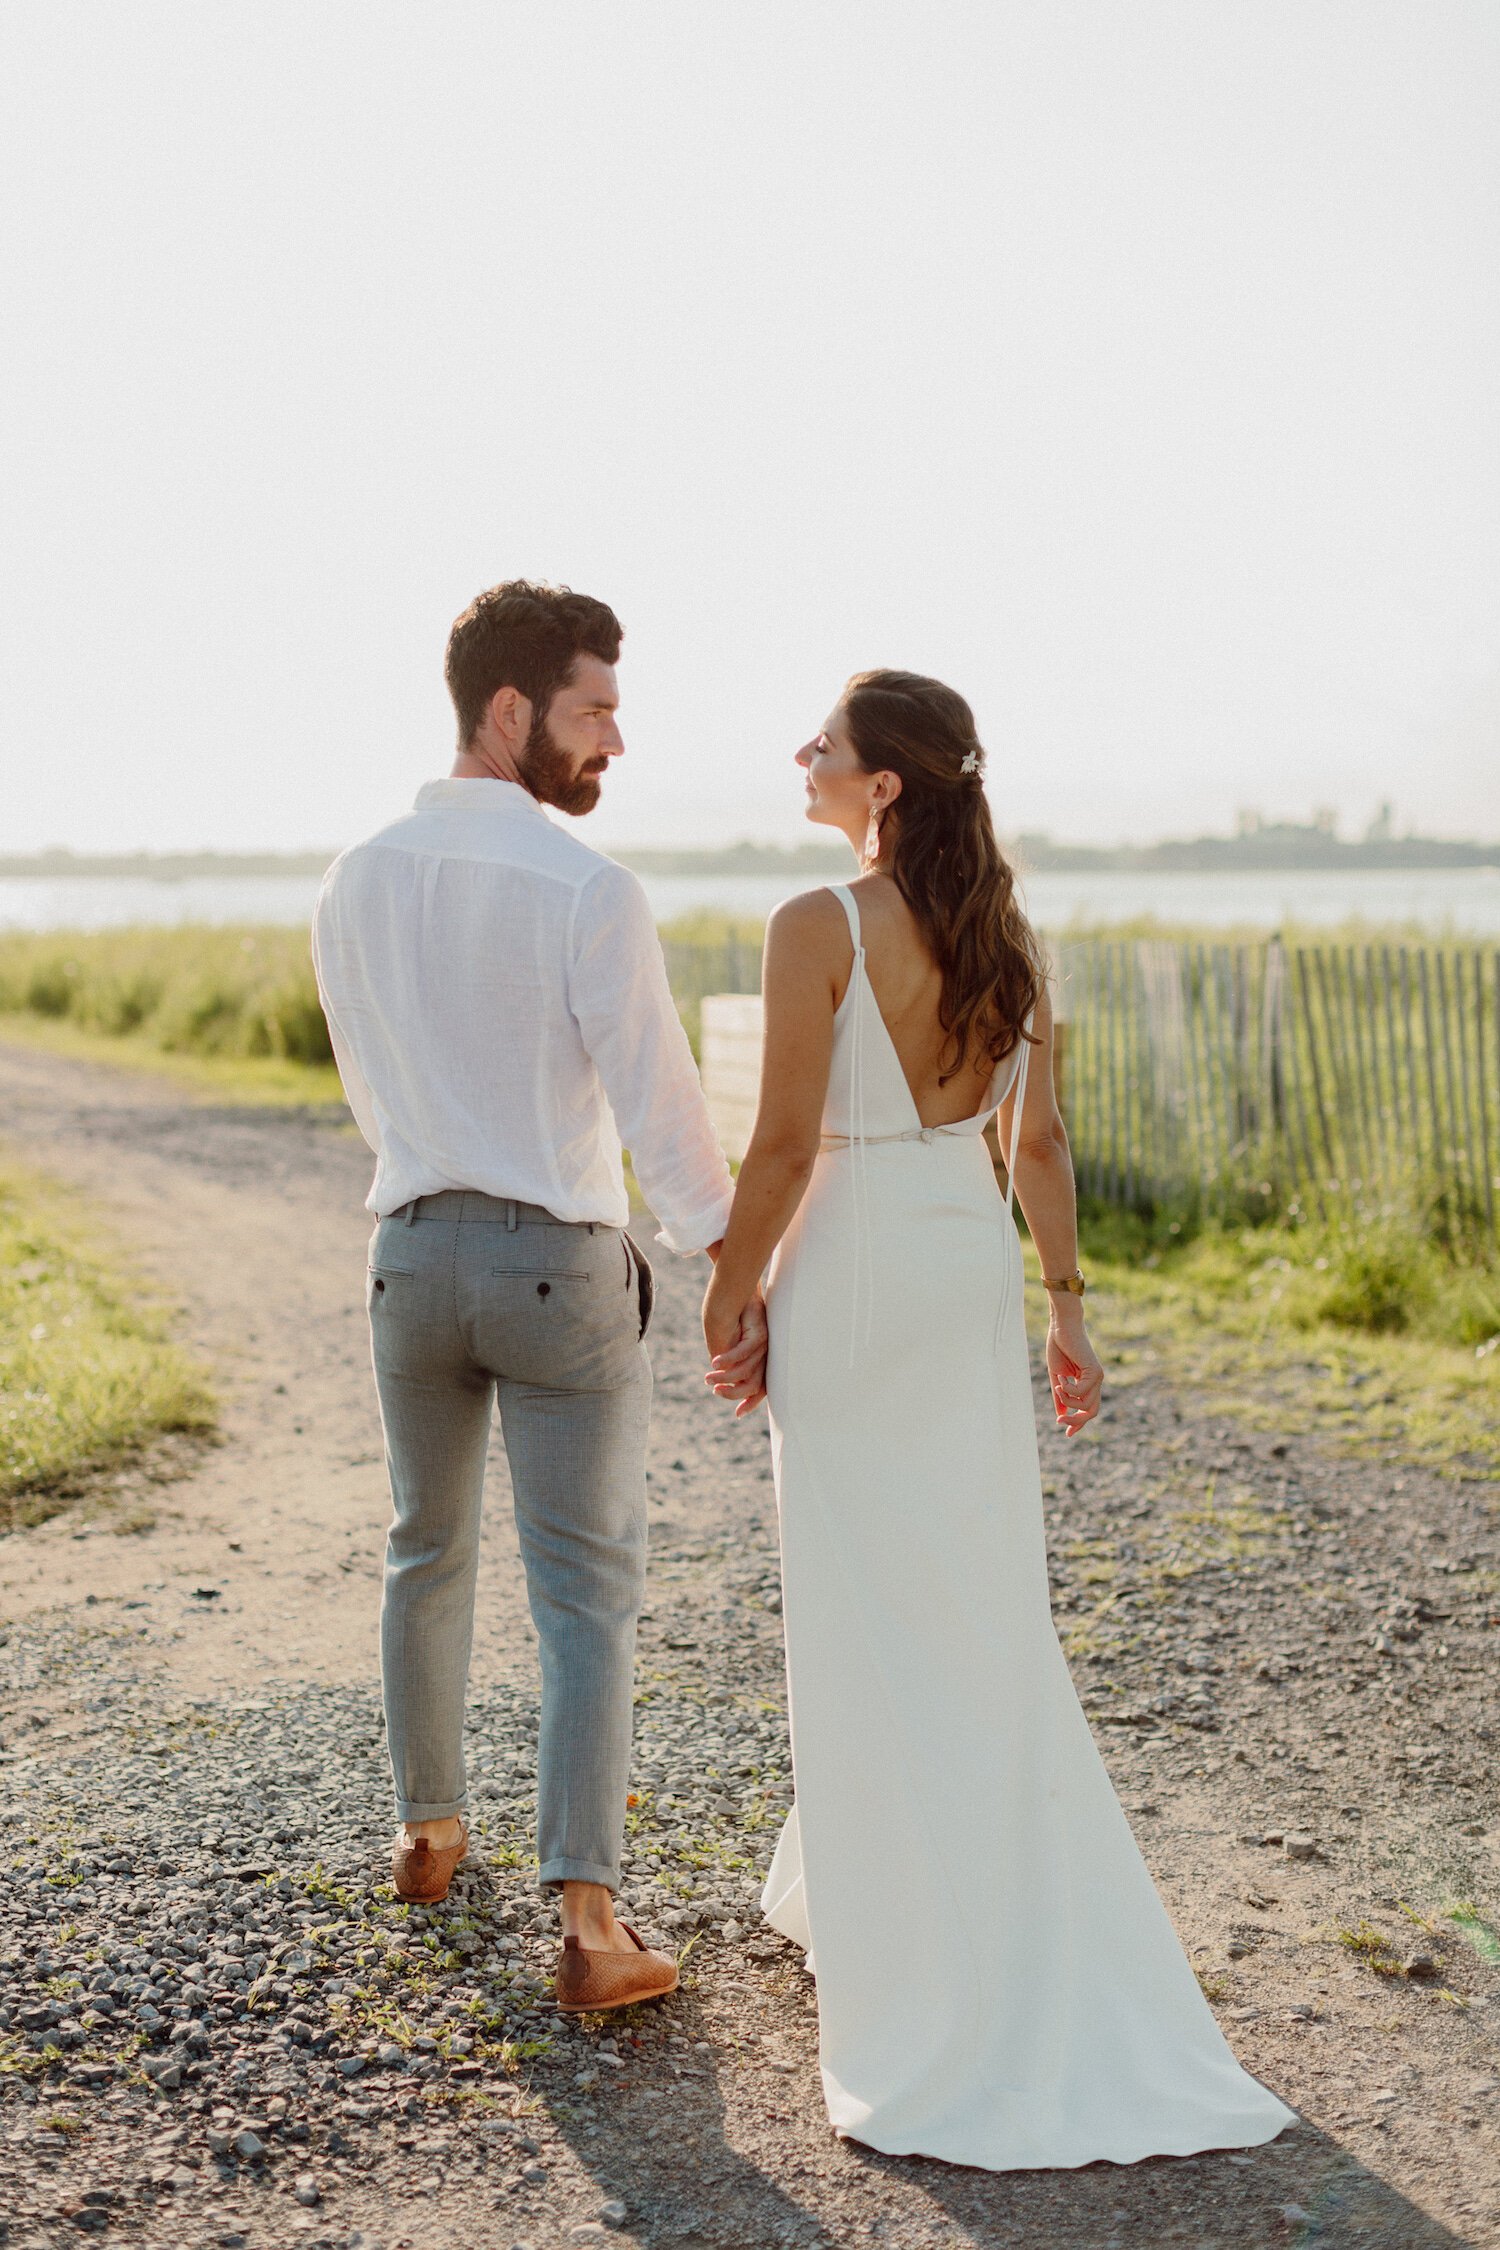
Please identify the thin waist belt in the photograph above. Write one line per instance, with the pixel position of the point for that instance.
(832, 1141)
(494, 1210)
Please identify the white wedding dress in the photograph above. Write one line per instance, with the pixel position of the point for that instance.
(998, 1982)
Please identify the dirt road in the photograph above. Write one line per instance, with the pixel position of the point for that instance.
(1289, 1658)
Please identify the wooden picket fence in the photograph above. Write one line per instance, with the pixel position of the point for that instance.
(1233, 1080)
(1279, 1077)
(697, 967)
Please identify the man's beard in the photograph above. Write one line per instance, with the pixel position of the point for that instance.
(548, 773)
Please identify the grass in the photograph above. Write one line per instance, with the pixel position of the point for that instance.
(245, 995)
(243, 1081)
(89, 1372)
(1376, 1952)
(1481, 1935)
(232, 1013)
(1372, 1332)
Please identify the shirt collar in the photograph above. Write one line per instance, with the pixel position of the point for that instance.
(477, 793)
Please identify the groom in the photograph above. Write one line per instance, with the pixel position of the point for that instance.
(499, 1010)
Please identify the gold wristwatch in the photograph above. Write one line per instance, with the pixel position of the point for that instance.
(1073, 1283)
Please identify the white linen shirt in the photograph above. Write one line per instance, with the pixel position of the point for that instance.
(500, 1014)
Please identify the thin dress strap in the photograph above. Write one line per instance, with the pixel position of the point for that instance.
(848, 902)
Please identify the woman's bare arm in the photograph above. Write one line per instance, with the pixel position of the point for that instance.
(1047, 1195)
(807, 949)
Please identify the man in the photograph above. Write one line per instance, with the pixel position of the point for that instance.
(499, 1009)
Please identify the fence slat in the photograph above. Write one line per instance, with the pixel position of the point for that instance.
(1310, 1030)
(1462, 1016)
(1481, 1075)
(1198, 1104)
(1382, 1112)
(1359, 1090)
(1453, 1150)
(1117, 1192)
(1435, 1110)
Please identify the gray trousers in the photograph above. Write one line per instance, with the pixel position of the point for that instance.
(473, 1298)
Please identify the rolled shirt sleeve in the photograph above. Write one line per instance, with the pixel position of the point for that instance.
(622, 1004)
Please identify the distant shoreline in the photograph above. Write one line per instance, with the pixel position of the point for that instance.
(1266, 850)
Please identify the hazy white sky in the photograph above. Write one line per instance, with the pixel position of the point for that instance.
(1131, 364)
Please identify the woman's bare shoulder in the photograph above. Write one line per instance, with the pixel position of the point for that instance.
(811, 918)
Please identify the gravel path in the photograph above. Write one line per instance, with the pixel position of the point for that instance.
(216, 2026)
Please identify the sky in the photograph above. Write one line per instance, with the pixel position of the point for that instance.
(1130, 364)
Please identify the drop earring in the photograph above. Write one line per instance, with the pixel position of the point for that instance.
(871, 854)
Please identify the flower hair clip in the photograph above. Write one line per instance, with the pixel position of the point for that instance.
(971, 763)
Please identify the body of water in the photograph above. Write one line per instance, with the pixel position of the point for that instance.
(1458, 901)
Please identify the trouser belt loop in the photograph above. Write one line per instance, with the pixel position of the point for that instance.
(511, 1222)
(409, 1215)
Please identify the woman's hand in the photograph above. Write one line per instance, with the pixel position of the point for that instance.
(1077, 1377)
(736, 1336)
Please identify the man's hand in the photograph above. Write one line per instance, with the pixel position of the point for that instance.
(736, 1339)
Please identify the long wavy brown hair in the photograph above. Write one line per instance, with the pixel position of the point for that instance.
(946, 860)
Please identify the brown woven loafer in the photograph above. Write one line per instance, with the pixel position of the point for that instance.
(423, 1871)
(587, 1980)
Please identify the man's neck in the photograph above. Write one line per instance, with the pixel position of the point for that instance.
(477, 763)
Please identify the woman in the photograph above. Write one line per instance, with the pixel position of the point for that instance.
(998, 1983)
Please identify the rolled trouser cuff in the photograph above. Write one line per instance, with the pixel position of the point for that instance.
(554, 1871)
(409, 1809)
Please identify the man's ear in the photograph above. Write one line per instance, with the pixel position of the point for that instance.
(510, 717)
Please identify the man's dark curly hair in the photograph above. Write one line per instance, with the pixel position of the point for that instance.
(527, 637)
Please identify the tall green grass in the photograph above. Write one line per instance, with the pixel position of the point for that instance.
(88, 1369)
(1379, 1340)
(230, 992)
(1373, 1274)
(249, 993)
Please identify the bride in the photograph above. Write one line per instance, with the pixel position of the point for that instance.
(998, 1982)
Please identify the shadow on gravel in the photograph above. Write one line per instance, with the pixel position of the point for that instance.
(692, 2188)
(1303, 2192)
(688, 2187)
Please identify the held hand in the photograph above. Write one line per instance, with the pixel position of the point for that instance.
(736, 1340)
(1077, 1377)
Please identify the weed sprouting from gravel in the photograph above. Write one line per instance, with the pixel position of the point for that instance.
(1368, 1945)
